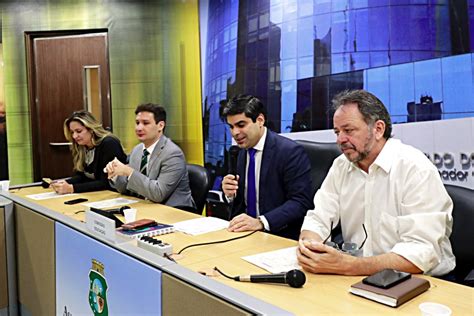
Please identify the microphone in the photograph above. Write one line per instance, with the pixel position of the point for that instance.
(294, 278)
(233, 154)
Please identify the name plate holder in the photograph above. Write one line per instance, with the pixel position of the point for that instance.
(100, 225)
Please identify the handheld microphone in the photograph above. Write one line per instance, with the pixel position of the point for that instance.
(233, 154)
(294, 278)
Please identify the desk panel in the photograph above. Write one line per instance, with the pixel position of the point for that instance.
(8, 282)
(93, 277)
(3, 263)
(197, 302)
(36, 264)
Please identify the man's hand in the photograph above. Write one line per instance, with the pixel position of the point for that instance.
(62, 187)
(117, 168)
(230, 185)
(243, 222)
(315, 257)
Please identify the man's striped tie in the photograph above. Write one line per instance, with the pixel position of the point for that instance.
(144, 162)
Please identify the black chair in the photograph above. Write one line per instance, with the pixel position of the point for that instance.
(199, 183)
(462, 238)
(321, 156)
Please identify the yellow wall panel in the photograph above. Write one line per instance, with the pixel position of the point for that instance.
(154, 57)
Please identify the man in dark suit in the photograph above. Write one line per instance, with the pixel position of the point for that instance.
(272, 191)
(157, 167)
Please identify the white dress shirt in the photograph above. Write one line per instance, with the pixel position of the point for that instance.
(150, 151)
(401, 201)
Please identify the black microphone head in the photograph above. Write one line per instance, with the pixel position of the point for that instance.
(295, 278)
(233, 153)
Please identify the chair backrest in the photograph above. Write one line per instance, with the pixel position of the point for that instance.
(461, 238)
(199, 183)
(321, 156)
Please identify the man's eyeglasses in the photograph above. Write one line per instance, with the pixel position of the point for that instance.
(348, 247)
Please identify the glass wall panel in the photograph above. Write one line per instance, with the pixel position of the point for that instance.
(362, 31)
(288, 40)
(457, 85)
(296, 54)
(428, 80)
(305, 67)
(399, 28)
(401, 90)
(378, 82)
(288, 97)
(305, 37)
(379, 28)
(339, 33)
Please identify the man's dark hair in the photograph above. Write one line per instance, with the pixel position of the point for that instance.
(251, 106)
(371, 108)
(158, 111)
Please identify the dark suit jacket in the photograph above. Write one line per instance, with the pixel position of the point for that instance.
(106, 151)
(285, 193)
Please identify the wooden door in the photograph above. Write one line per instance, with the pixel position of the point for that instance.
(60, 68)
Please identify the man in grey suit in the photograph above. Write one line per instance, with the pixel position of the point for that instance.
(157, 167)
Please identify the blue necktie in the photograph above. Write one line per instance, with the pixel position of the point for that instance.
(251, 191)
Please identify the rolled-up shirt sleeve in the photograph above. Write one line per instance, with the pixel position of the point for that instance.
(425, 223)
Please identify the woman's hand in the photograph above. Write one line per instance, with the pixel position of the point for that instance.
(62, 187)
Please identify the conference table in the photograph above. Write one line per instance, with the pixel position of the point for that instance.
(184, 288)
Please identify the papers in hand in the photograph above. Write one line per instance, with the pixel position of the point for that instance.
(277, 261)
(48, 195)
(201, 225)
(110, 203)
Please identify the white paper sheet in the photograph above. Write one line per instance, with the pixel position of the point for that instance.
(48, 195)
(110, 203)
(201, 225)
(277, 261)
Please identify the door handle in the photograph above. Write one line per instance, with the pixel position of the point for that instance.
(60, 144)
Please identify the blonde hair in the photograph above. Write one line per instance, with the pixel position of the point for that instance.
(87, 120)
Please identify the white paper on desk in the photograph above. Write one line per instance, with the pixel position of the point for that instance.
(201, 225)
(48, 195)
(277, 261)
(110, 203)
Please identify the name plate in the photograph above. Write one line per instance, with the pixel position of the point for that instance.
(100, 225)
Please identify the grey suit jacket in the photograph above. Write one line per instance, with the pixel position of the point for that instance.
(167, 180)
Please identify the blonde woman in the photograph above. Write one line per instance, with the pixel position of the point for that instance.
(92, 148)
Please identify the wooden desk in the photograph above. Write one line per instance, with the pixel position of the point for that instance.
(322, 294)
(36, 232)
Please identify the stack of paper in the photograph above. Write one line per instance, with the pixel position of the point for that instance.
(201, 225)
(48, 195)
(277, 261)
